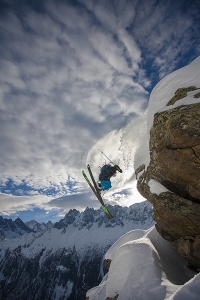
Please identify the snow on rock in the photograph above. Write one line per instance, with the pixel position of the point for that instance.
(131, 235)
(131, 273)
(36, 226)
(191, 290)
(156, 187)
(12, 229)
(166, 88)
(144, 267)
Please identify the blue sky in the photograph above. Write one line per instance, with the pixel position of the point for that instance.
(71, 72)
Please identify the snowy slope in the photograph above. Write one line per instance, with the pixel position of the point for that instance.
(86, 228)
(144, 266)
(36, 226)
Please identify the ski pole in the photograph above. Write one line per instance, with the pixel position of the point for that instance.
(108, 158)
(118, 168)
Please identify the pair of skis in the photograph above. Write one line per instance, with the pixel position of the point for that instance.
(96, 191)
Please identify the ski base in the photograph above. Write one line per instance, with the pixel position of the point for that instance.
(96, 192)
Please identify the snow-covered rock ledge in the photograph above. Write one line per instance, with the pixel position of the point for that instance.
(145, 266)
(171, 177)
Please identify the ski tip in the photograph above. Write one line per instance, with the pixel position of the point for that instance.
(83, 172)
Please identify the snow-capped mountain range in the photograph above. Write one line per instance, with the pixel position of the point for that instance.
(36, 226)
(12, 229)
(66, 259)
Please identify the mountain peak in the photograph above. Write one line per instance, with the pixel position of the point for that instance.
(12, 229)
(90, 216)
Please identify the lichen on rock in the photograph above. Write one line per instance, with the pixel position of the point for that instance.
(175, 163)
(180, 94)
(175, 150)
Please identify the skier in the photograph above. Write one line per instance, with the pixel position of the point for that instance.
(106, 172)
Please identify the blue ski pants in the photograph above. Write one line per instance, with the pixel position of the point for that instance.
(105, 185)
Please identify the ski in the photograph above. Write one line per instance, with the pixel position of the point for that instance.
(108, 214)
(89, 183)
(96, 193)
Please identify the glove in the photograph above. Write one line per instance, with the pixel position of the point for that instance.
(118, 168)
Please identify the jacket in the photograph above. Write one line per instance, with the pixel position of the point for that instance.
(107, 171)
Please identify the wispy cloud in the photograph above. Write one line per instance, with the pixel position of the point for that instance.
(61, 87)
(70, 74)
(166, 32)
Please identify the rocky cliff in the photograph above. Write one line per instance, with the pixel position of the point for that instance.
(175, 167)
(12, 229)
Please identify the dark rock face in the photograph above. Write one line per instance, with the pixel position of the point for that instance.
(69, 219)
(61, 275)
(175, 163)
(175, 150)
(12, 229)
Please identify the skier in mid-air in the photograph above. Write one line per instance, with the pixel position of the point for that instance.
(106, 172)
